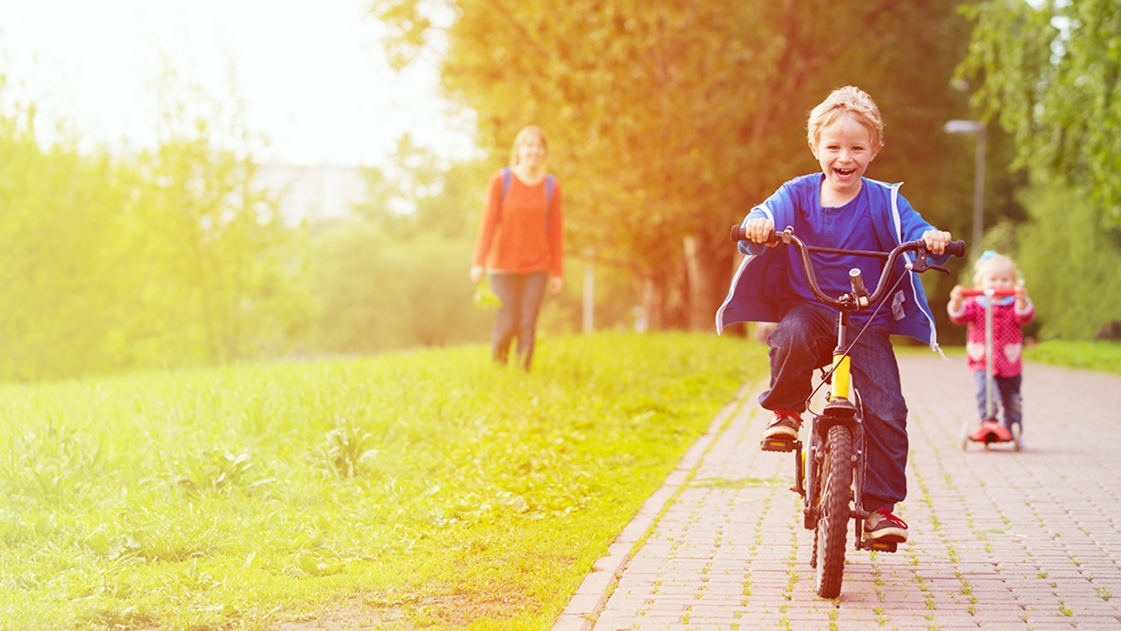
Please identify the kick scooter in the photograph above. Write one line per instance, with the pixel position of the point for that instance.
(993, 430)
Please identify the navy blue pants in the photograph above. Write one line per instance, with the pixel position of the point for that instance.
(804, 341)
(1006, 397)
(521, 296)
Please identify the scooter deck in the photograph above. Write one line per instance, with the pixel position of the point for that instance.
(993, 438)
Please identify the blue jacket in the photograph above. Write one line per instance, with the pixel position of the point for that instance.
(895, 222)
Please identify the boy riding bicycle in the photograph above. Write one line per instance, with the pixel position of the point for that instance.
(838, 208)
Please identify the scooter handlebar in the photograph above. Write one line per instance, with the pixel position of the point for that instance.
(981, 292)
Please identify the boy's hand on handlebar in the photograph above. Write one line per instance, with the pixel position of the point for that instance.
(1021, 297)
(759, 230)
(936, 240)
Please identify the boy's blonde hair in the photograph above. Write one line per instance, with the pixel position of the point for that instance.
(525, 133)
(990, 258)
(852, 101)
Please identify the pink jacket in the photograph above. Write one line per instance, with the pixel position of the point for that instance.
(1008, 339)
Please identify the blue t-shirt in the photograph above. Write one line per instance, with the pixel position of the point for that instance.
(877, 220)
(847, 227)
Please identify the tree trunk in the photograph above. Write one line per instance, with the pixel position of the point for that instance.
(708, 269)
(697, 284)
(653, 301)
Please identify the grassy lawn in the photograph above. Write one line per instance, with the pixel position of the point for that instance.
(1103, 356)
(425, 490)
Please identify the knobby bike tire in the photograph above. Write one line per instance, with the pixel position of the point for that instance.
(832, 527)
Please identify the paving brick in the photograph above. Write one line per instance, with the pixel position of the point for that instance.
(999, 540)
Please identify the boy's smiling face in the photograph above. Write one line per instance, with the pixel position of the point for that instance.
(844, 149)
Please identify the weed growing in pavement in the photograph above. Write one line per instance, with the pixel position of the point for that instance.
(1104, 594)
(881, 616)
(427, 485)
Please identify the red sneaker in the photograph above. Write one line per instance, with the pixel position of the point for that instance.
(785, 426)
(882, 526)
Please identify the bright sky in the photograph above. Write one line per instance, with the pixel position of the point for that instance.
(311, 72)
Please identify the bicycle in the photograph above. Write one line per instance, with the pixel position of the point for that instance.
(991, 433)
(829, 475)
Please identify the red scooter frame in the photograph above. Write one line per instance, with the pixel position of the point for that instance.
(992, 435)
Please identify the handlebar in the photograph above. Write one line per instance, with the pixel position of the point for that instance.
(859, 298)
(981, 292)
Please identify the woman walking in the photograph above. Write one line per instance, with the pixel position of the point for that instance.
(521, 243)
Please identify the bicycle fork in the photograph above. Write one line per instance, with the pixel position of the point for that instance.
(839, 410)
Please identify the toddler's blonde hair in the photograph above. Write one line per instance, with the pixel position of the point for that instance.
(990, 258)
(523, 135)
(852, 101)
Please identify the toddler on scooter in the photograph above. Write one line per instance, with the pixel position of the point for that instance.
(1010, 312)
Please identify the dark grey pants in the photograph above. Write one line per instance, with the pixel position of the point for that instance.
(803, 341)
(521, 296)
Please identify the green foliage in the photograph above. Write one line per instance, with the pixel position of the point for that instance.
(1069, 262)
(485, 298)
(1104, 356)
(347, 449)
(379, 293)
(456, 494)
(1049, 72)
(418, 193)
(215, 470)
(164, 258)
(668, 121)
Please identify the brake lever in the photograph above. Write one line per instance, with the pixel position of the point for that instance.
(921, 264)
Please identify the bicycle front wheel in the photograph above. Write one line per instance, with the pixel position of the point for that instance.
(832, 527)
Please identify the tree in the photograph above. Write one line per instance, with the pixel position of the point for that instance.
(380, 292)
(1078, 292)
(668, 120)
(418, 192)
(1049, 72)
(159, 259)
(223, 271)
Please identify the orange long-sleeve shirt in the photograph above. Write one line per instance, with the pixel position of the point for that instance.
(512, 234)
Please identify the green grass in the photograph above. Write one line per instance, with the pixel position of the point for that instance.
(1103, 356)
(423, 490)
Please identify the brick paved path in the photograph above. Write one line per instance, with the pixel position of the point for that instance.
(999, 540)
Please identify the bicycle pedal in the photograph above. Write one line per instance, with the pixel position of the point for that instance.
(777, 444)
(882, 546)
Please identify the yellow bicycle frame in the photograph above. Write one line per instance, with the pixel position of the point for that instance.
(840, 377)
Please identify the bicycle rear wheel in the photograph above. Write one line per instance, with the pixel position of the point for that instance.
(832, 527)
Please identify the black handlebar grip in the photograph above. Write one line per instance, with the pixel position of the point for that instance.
(956, 248)
(738, 233)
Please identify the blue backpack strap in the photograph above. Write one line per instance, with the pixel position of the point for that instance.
(506, 176)
(550, 184)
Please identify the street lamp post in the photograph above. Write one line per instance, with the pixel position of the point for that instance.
(978, 128)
